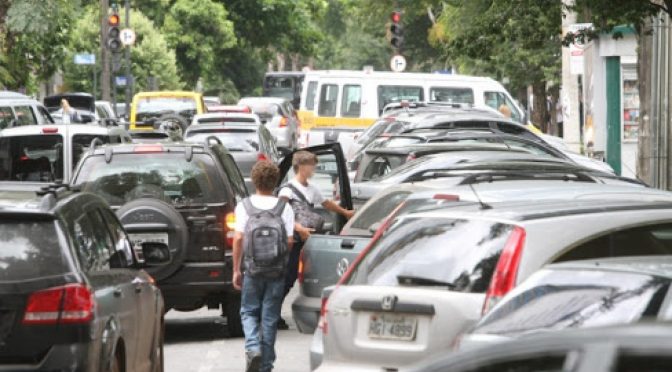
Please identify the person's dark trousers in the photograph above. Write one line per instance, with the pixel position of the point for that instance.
(261, 303)
(561, 131)
(293, 265)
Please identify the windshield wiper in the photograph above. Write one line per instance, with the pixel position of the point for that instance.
(420, 281)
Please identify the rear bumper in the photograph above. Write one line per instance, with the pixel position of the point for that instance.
(79, 357)
(198, 283)
(306, 313)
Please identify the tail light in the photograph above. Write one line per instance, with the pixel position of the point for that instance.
(49, 130)
(147, 149)
(283, 122)
(504, 277)
(323, 324)
(71, 304)
(261, 157)
(410, 157)
(447, 197)
(300, 276)
(230, 228)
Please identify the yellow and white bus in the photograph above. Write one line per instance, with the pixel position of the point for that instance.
(355, 99)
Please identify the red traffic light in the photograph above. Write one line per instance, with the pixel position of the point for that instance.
(113, 20)
(396, 17)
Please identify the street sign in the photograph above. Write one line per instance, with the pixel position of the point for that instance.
(398, 63)
(576, 49)
(85, 59)
(127, 36)
(120, 81)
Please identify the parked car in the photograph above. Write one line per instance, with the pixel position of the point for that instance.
(17, 110)
(642, 348)
(432, 274)
(48, 153)
(182, 195)
(167, 110)
(279, 117)
(73, 297)
(243, 135)
(582, 294)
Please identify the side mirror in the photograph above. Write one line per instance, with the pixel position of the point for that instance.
(155, 254)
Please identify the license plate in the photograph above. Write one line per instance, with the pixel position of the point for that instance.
(392, 327)
(138, 239)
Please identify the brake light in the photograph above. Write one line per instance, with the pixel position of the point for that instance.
(261, 157)
(300, 276)
(230, 228)
(49, 130)
(447, 197)
(283, 122)
(72, 304)
(323, 324)
(147, 149)
(504, 278)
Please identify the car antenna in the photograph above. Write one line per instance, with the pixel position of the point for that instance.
(483, 205)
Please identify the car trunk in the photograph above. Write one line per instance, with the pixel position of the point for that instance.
(391, 327)
(207, 232)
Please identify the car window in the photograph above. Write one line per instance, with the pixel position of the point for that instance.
(325, 177)
(462, 254)
(642, 361)
(82, 142)
(245, 140)
(233, 172)
(119, 237)
(101, 112)
(378, 167)
(639, 241)
(451, 95)
(279, 86)
(328, 97)
(6, 117)
(376, 212)
(92, 247)
(396, 93)
(37, 158)
(310, 95)
(498, 99)
(351, 103)
(532, 363)
(560, 299)
(46, 118)
(166, 176)
(30, 248)
(518, 130)
(25, 116)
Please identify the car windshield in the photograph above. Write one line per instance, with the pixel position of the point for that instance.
(29, 249)
(280, 86)
(245, 140)
(166, 104)
(166, 176)
(558, 299)
(37, 158)
(462, 253)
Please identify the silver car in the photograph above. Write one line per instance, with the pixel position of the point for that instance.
(279, 116)
(432, 274)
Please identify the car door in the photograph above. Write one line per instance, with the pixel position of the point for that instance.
(331, 177)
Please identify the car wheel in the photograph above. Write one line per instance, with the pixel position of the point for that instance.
(157, 350)
(172, 124)
(117, 362)
(232, 313)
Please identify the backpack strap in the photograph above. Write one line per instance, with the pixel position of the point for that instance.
(298, 193)
(279, 208)
(249, 208)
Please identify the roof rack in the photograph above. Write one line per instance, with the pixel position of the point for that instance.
(50, 193)
(499, 175)
(210, 139)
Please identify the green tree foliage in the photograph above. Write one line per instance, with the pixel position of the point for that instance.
(150, 55)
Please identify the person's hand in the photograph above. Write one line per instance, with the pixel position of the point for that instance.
(304, 232)
(238, 280)
(349, 213)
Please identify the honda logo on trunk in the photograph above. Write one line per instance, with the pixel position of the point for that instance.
(388, 302)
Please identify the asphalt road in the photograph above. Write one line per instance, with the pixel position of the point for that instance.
(199, 342)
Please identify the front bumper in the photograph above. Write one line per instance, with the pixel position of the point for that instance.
(306, 313)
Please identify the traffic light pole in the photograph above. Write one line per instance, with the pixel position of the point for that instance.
(104, 55)
(127, 57)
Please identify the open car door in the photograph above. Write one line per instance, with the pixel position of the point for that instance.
(331, 178)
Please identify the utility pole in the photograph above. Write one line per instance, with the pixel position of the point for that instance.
(127, 56)
(104, 56)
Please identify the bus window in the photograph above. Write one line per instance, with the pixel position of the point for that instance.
(396, 93)
(328, 97)
(498, 99)
(310, 95)
(451, 95)
(351, 103)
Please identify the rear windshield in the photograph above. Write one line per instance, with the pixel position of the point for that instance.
(246, 140)
(459, 254)
(558, 299)
(377, 212)
(280, 86)
(165, 176)
(170, 104)
(37, 158)
(29, 249)
(451, 95)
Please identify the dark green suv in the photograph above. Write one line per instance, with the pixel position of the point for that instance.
(182, 195)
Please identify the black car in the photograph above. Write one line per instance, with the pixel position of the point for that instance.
(182, 195)
(71, 295)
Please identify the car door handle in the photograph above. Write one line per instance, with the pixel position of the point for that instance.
(117, 292)
(348, 244)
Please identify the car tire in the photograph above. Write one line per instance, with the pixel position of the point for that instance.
(232, 312)
(173, 118)
(149, 215)
(157, 350)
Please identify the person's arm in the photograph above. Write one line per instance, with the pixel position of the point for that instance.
(237, 260)
(334, 207)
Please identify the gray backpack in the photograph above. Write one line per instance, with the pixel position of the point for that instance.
(265, 241)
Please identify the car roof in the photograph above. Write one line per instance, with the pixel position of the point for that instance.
(168, 93)
(434, 119)
(438, 147)
(152, 148)
(651, 265)
(28, 130)
(36, 199)
(6, 94)
(227, 115)
(276, 100)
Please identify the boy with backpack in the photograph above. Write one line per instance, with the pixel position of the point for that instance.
(261, 245)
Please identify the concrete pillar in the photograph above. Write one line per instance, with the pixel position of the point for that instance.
(570, 91)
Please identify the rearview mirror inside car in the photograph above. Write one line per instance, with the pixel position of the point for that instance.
(155, 253)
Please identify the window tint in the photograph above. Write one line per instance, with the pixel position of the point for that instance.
(101, 112)
(559, 299)
(245, 140)
(310, 95)
(459, 253)
(643, 361)
(46, 118)
(639, 241)
(37, 158)
(279, 86)
(535, 363)
(30, 249)
(498, 99)
(351, 104)
(25, 116)
(6, 117)
(377, 212)
(378, 167)
(452, 95)
(82, 142)
(119, 237)
(395, 93)
(328, 97)
(237, 181)
(93, 249)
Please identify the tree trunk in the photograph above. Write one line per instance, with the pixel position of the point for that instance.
(295, 61)
(644, 148)
(280, 58)
(539, 112)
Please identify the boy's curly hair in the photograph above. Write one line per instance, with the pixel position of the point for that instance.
(265, 176)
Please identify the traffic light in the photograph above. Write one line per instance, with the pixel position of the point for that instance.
(396, 31)
(113, 32)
